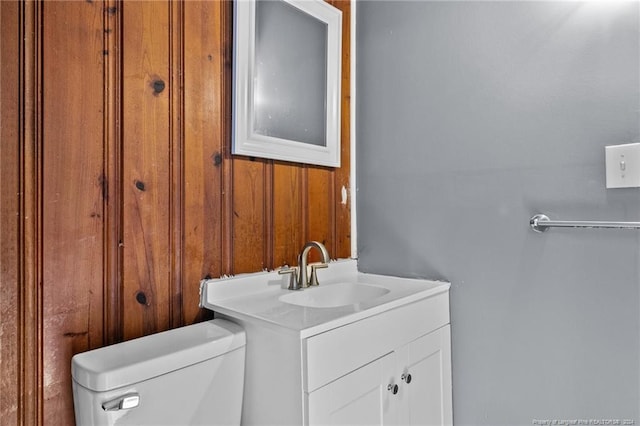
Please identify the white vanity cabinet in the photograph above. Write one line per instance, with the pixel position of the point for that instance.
(341, 376)
(342, 365)
(409, 386)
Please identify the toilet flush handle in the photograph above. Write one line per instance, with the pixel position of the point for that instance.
(124, 402)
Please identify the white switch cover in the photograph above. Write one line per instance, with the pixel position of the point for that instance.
(623, 165)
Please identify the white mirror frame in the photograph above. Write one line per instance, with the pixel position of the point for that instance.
(245, 141)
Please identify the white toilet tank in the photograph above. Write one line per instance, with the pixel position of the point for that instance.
(192, 375)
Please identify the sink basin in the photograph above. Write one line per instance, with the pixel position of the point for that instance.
(344, 296)
(334, 295)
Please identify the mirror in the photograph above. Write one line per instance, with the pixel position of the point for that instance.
(287, 61)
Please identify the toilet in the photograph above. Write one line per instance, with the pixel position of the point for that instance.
(192, 375)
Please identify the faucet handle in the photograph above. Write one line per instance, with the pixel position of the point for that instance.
(293, 278)
(313, 279)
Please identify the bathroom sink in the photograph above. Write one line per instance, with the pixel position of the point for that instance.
(344, 296)
(315, 356)
(334, 295)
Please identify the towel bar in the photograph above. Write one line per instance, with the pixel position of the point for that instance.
(541, 223)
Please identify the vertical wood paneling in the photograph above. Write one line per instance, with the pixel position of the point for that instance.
(31, 352)
(176, 161)
(72, 196)
(224, 101)
(204, 148)
(320, 210)
(249, 222)
(288, 231)
(112, 178)
(125, 194)
(146, 155)
(9, 212)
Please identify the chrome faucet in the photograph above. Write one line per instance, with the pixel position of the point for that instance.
(300, 277)
(304, 280)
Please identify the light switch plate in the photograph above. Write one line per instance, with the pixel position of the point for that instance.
(623, 165)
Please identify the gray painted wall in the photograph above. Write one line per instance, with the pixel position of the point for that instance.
(471, 117)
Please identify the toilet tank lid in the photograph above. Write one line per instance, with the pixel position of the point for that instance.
(147, 357)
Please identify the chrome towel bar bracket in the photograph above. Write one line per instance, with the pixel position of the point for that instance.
(541, 222)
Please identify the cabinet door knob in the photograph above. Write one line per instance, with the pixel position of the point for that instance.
(406, 377)
(393, 389)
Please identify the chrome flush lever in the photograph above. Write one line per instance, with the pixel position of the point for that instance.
(124, 402)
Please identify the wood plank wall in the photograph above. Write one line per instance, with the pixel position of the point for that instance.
(118, 190)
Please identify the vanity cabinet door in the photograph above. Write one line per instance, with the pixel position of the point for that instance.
(410, 386)
(425, 379)
(358, 398)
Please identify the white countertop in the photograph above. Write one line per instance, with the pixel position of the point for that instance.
(256, 297)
